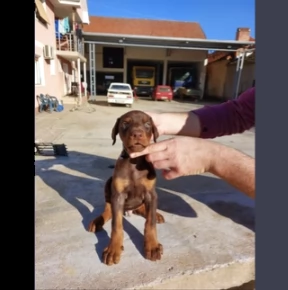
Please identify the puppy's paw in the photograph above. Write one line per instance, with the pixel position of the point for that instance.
(96, 225)
(112, 254)
(159, 218)
(153, 251)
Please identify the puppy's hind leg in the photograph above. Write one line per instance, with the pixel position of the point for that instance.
(97, 224)
(142, 212)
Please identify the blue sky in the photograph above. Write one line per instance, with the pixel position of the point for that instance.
(219, 19)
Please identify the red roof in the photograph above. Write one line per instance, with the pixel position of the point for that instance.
(217, 55)
(146, 27)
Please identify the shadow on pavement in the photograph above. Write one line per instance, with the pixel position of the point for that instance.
(95, 170)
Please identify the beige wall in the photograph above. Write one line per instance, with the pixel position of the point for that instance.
(149, 54)
(216, 78)
(221, 78)
(156, 54)
(160, 54)
(53, 79)
(246, 81)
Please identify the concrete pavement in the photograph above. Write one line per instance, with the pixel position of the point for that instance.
(208, 237)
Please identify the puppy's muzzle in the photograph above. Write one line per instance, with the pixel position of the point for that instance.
(137, 134)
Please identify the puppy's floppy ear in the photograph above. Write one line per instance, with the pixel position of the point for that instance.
(115, 131)
(154, 131)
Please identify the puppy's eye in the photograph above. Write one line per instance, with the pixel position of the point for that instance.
(147, 124)
(124, 125)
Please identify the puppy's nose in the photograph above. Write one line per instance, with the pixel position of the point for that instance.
(137, 134)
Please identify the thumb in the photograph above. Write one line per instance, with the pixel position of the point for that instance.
(169, 174)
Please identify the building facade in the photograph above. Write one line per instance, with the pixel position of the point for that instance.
(221, 70)
(115, 63)
(59, 49)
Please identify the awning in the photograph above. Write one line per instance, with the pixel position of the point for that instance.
(41, 11)
(165, 42)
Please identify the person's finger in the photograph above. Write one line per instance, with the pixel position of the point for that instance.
(169, 174)
(157, 156)
(162, 164)
(152, 148)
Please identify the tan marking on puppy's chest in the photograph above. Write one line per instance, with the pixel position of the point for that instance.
(120, 183)
(149, 184)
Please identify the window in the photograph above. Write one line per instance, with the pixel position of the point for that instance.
(39, 72)
(113, 57)
(144, 73)
(120, 87)
(164, 89)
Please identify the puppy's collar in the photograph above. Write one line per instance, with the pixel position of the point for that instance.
(124, 154)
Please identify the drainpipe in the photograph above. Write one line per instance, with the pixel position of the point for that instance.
(79, 81)
(74, 29)
(85, 78)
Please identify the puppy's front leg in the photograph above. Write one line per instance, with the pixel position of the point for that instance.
(112, 253)
(97, 224)
(152, 248)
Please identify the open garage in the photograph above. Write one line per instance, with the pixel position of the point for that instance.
(169, 52)
(103, 80)
(143, 72)
(184, 75)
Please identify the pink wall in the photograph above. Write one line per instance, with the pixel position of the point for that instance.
(43, 34)
(54, 84)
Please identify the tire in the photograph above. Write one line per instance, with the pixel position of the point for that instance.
(108, 104)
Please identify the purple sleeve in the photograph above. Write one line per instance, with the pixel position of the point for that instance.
(231, 117)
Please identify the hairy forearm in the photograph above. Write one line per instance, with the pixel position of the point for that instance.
(234, 167)
(183, 124)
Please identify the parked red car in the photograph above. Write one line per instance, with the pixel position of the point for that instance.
(162, 93)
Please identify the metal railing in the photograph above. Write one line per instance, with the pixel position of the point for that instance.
(69, 42)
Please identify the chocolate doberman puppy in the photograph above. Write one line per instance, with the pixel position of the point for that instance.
(132, 187)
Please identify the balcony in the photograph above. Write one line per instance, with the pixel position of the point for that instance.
(69, 46)
(69, 42)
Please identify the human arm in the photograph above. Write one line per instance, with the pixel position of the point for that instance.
(235, 167)
(228, 118)
(231, 117)
(184, 156)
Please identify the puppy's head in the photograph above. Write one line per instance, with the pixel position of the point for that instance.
(135, 129)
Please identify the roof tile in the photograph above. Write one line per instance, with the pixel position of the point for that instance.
(145, 27)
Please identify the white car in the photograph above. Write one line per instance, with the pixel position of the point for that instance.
(120, 93)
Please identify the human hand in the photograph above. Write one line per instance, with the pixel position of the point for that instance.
(180, 156)
(157, 120)
(177, 123)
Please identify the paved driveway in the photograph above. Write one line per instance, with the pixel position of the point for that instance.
(208, 236)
